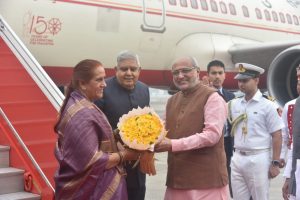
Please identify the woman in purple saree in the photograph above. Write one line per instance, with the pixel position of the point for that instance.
(90, 164)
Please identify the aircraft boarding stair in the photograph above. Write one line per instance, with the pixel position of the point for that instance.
(11, 180)
(29, 103)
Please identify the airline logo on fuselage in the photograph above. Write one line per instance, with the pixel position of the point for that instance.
(41, 30)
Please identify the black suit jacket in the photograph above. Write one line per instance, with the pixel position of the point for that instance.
(227, 95)
(228, 143)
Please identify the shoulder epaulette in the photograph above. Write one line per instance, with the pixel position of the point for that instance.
(269, 97)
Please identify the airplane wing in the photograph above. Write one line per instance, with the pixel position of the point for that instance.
(260, 54)
(280, 59)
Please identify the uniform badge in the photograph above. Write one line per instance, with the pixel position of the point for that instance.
(241, 68)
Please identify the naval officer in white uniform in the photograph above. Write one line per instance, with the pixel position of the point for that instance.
(256, 127)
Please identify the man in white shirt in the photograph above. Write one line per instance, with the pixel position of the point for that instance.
(256, 127)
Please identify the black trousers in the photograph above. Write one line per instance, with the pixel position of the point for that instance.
(136, 193)
(136, 182)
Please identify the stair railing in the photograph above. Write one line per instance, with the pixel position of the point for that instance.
(40, 181)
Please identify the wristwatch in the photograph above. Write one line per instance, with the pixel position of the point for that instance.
(275, 163)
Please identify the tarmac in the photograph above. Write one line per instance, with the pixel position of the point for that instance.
(155, 185)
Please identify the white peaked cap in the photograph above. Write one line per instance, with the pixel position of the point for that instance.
(247, 71)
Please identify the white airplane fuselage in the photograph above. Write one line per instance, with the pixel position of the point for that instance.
(61, 33)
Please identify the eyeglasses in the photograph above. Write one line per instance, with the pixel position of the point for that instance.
(184, 71)
(126, 68)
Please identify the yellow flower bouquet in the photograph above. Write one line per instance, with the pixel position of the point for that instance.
(141, 128)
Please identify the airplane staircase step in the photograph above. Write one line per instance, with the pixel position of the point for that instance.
(20, 196)
(4, 156)
(26, 111)
(12, 180)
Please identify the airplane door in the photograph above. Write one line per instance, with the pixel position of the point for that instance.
(154, 16)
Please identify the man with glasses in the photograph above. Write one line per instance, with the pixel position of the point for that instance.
(256, 127)
(216, 76)
(195, 118)
(123, 93)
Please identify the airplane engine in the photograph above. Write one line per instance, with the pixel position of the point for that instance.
(282, 79)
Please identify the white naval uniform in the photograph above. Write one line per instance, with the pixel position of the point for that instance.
(252, 157)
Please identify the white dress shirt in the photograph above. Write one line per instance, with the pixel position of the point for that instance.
(263, 120)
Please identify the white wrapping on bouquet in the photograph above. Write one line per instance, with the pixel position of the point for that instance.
(141, 128)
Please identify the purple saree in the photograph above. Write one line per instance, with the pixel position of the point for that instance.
(85, 139)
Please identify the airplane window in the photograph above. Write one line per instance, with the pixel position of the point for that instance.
(258, 13)
(214, 6)
(232, 9)
(204, 5)
(245, 11)
(267, 15)
(296, 21)
(289, 18)
(275, 16)
(223, 7)
(282, 18)
(172, 2)
(194, 4)
(183, 3)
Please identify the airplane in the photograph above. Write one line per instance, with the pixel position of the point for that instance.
(60, 33)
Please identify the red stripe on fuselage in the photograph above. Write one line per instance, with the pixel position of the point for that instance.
(154, 78)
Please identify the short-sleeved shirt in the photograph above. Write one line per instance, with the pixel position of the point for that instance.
(262, 120)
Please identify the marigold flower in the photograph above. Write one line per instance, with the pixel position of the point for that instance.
(141, 128)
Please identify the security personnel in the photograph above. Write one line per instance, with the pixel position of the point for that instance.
(256, 127)
(216, 74)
